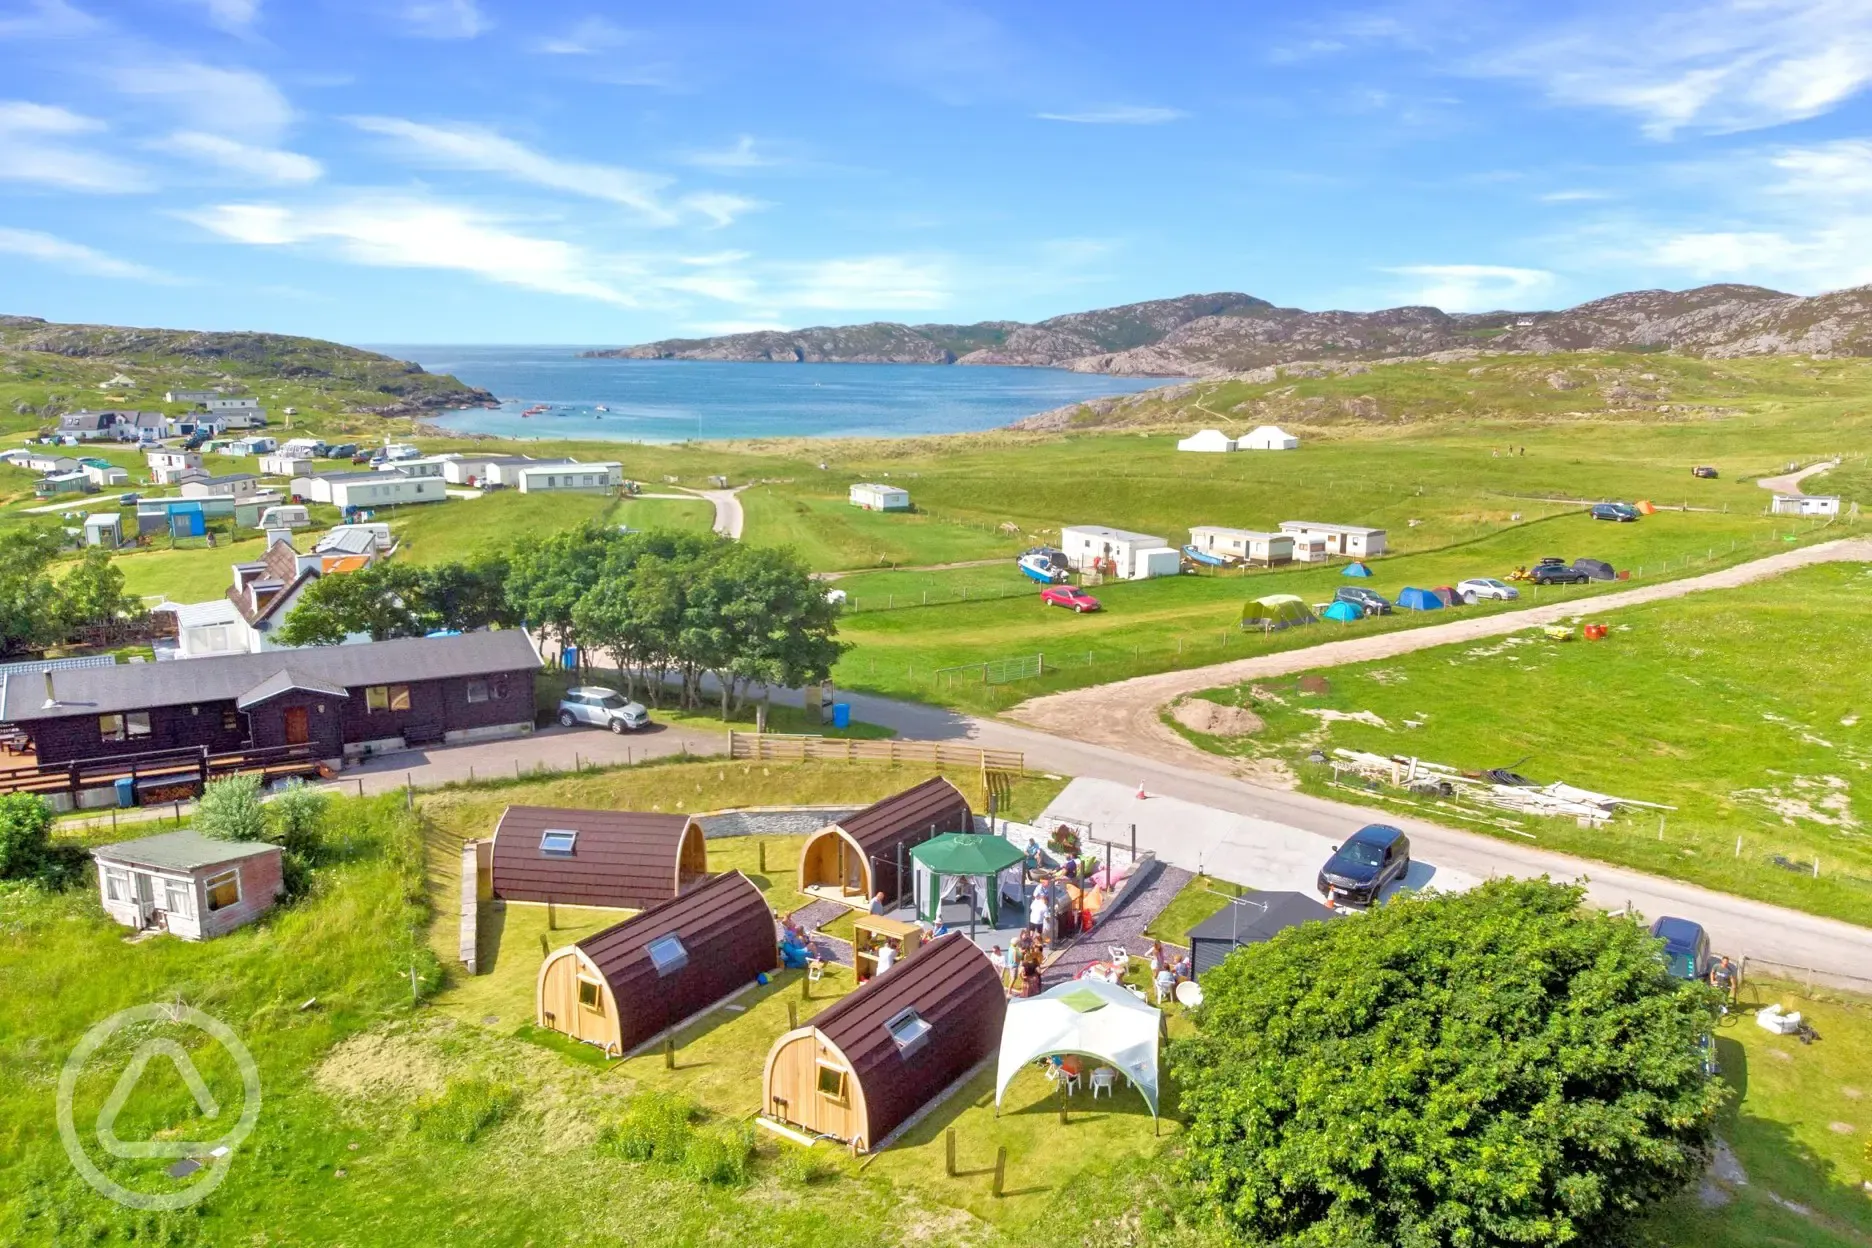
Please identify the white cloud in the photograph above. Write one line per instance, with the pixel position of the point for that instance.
(445, 19)
(36, 146)
(232, 14)
(211, 99)
(869, 283)
(720, 207)
(484, 151)
(586, 38)
(259, 164)
(1118, 115)
(1473, 287)
(1720, 67)
(46, 19)
(1578, 195)
(73, 257)
(743, 155)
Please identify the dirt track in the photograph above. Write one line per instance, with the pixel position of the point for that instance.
(1125, 714)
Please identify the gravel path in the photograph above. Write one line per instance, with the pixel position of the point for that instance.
(729, 518)
(1790, 482)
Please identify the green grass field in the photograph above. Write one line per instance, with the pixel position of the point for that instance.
(1728, 706)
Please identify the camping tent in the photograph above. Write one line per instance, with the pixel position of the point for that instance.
(1207, 440)
(1356, 569)
(1267, 438)
(1342, 611)
(1447, 595)
(1249, 920)
(1084, 1016)
(1276, 611)
(989, 864)
(1598, 569)
(1413, 599)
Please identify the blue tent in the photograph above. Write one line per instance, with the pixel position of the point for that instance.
(1413, 599)
(1356, 569)
(1344, 612)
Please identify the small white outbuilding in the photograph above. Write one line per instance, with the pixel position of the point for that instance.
(1268, 438)
(1806, 505)
(874, 497)
(1207, 440)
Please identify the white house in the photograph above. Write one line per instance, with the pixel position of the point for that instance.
(1268, 438)
(166, 467)
(874, 497)
(595, 478)
(346, 490)
(1246, 545)
(1351, 540)
(1805, 505)
(1118, 553)
(233, 485)
(142, 426)
(1309, 548)
(282, 464)
(1207, 440)
(105, 476)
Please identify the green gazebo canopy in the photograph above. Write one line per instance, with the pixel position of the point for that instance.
(962, 854)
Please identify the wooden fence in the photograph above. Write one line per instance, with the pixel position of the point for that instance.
(799, 747)
(159, 775)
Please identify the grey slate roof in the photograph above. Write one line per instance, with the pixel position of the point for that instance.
(347, 542)
(186, 850)
(284, 682)
(134, 686)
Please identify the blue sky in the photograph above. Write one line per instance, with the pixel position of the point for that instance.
(414, 171)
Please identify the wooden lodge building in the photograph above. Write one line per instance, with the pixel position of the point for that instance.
(595, 857)
(865, 1066)
(621, 987)
(859, 855)
(334, 700)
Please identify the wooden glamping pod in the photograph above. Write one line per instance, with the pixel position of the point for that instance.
(620, 987)
(865, 1066)
(850, 860)
(596, 857)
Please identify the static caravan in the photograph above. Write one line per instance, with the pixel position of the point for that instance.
(105, 476)
(596, 857)
(864, 1067)
(1244, 545)
(1351, 540)
(187, 884)
(873, 497)
(858, 856)
(1806, 505)
(1117, 553)
(620, 988)
(575, 478)
(348, 490)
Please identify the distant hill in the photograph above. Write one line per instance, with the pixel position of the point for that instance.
(1209, 335)
(361, 381)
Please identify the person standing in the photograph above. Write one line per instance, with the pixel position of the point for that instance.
(1037, 910)
(877, 902)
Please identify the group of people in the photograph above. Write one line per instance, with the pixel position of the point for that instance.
(795, 949)
(1168, 972)
(1020, 962)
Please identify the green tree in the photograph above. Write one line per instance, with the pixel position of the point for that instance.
(466, 595)
(31, 616)
(93, 592)
(25, 835)
(546, 579)
(1497, 1067)
(296, 816)
(379, 601)
(230, 810)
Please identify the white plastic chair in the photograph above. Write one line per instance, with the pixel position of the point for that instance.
(1104, 1078)
(1120, 957)
(1070, 1080)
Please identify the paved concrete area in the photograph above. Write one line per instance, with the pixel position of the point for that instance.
(547, 750)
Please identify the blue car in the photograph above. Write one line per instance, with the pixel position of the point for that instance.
(1369, 859)
(1686, 947)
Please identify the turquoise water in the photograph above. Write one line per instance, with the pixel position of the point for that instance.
(676, 400)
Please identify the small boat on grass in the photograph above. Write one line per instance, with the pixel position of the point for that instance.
(1206, 558)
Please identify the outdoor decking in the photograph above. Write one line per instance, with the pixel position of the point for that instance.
(159, 769)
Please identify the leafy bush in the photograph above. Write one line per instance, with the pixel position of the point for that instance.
(466, 1109)
(656, 1127)
(25, 835)
(805, 1167)
(1490, 1068)
(297, 815)
(722, 1155)
(230, 810)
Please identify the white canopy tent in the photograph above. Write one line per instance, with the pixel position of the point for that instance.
(1085, 1016)
(1268, 438)
(1207, 440)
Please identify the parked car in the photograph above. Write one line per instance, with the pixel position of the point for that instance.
(1369, 859)
(1704, 471)
(1069, 596)
(1558, 574)
(1621, 512)
(127, 499)
(361, 458)
(1476, 588)
(343, 451)
(1365, 600)
(1686, 947)
(602, 707)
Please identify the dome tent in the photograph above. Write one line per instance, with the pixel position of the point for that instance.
(1089, 1018)
(1356, 569)
(1342, 611)
(1276, 611)
(987, 860)
(1414, 599)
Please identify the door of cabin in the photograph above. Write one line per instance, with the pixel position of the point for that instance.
(298, 725)
(145, 898)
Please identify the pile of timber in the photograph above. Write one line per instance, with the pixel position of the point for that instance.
(1556, 800)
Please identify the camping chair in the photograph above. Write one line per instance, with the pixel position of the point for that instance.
(1120, 957)
(1104, 1078)
(815, 967)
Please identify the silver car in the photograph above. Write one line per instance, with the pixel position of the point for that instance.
(602, 707)
(1487, 587)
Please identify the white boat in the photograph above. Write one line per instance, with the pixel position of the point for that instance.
(601, 408)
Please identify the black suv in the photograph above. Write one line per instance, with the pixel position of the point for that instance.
(1558, 574)
(1371, 857)
(1623, 513)
(1364, 599)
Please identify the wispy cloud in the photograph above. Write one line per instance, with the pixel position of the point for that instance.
(720, 207)
(212, 99)
(269, 165)
(46, 19)
(39, 144)
(1575, 195)
(1473, 287)
(584, 38)
(485, 151)
(234, 15)
(445, 19)
(742, 155)
(1119, 115)
(73, 257)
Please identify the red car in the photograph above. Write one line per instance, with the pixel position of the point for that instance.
(1069, 596)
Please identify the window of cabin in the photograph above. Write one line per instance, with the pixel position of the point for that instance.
(223, 890)
(117, 885)
(387, 698)
(230, 720)
(179, 898)
(667, 954)
(908, 1029)
(831, 1081)
(477, 691)
(137, 724)
(558, 842)
(590, 996)
(111, 727)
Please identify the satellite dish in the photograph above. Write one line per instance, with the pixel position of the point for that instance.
(1189, 993)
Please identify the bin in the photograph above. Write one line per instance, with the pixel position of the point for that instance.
(569, 657)
(126, 791)
(841, 714)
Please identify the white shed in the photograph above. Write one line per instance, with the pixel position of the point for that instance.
(1116, 552)
(1351, 540)
(1806, 505)
(873, 497)
(104, 528)
(1207, 440)
(1246, 545)
(1268, 438)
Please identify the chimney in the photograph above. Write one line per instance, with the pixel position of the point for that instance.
(278, 535)
(51, 698)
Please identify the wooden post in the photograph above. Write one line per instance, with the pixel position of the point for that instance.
(1000, 1174)
(360, 786)
(552, 916)
(761, 848)
(178, 821)
(1062, 1097)
(805, 985)
(949, 1166)
(669, 1052)
(792, 1016)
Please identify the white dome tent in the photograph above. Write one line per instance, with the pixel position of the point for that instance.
(1268, 438)
(1087, 1017)
(1207, 440)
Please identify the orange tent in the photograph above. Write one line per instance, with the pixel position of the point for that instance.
(1644, 507)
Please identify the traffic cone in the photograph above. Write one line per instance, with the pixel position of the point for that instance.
(1141, 794)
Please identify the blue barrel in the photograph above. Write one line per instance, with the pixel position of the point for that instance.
(570, 658)
(841, 714)
(126, 791)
